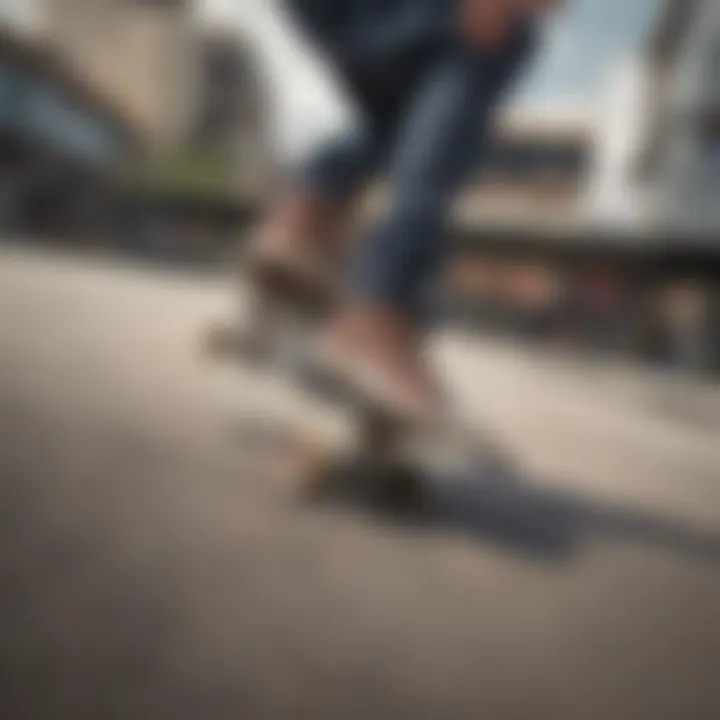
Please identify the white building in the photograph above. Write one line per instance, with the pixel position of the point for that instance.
(615, 200)
(685, 159)
(657, 159)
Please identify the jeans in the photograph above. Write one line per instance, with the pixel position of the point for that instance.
(362, 32)
(424, 117)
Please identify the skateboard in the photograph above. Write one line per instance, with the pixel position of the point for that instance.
(388, 462)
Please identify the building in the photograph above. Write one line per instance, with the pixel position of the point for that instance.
(142, 54)
(656, 176)
(682, 156)
(60, 141)
(657, 164)
(680, 164)
(231, 116)
(526, 204)
(616, 201)
(533, 173)
(194, 92)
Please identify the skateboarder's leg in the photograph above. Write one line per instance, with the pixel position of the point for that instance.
(436, 150)
(309, 220)
(377, 51)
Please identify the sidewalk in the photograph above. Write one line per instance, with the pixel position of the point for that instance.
(668, 395)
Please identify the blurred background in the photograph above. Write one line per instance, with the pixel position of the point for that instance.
(159, 128)
(146, 573)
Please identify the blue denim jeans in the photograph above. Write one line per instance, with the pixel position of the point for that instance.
(425, 101)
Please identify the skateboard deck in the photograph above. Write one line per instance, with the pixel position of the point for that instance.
(388, 461)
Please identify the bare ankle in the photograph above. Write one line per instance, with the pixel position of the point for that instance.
(303, 216)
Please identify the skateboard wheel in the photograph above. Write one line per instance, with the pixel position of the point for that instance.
(403, 488)
(311, 470)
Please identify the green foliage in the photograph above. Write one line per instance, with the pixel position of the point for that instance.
(190, 174)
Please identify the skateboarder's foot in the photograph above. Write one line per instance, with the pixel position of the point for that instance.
(299, 240)
(378, 351)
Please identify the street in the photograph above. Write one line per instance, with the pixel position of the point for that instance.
(150, 567)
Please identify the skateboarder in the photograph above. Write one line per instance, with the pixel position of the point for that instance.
(426, 76)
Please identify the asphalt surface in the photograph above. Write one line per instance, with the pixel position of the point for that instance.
(152, 567)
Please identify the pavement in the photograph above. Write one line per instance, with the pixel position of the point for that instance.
(151, 567)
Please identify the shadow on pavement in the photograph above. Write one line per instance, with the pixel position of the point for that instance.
(499, 504)
(553, 524)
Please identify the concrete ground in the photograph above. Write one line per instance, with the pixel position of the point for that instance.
(151, 567)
